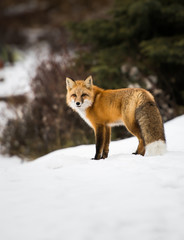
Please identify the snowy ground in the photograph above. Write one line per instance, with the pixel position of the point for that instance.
(64, 195)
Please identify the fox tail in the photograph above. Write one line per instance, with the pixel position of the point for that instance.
(150, 122)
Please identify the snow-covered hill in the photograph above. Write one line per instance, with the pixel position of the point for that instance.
(64, 195)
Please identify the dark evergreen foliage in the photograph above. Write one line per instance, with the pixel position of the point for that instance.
(147, 33)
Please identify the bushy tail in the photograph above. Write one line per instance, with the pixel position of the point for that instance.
(152, 129)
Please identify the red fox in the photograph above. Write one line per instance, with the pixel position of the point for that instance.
(135, 108)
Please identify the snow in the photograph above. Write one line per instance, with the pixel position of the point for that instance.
(65, 195)
(17, 77)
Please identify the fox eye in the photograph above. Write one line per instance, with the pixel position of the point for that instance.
(85, 95)
(74, 95)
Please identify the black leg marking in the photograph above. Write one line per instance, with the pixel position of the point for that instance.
(107, 141)
(100, 137)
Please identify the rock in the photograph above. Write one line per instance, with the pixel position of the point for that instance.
(157, 91)
(134, 73)
(134, 85)
(125, 68)
(153, 79)
(149, 85)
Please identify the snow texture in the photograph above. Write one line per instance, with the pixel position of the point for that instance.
(65, 195)
(17, 77)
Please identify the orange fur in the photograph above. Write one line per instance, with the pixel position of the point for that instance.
(133, 107)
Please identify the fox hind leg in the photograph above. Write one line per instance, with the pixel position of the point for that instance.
(140, 149)
(134, 129)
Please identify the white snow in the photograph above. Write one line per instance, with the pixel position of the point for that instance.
(17, 77)
(65, 195)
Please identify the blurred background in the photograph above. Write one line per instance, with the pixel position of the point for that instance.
(121, 43)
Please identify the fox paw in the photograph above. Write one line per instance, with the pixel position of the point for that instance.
(135, 153)
(96, 158)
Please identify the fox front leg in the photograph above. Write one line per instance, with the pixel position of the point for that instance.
(107, 141)
(100, 140)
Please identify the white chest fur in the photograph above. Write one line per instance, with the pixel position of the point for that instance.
(82, 110)
(82, 113)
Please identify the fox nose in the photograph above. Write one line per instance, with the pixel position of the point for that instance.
(78, 104)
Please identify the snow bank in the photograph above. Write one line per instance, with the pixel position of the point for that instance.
(65, 195)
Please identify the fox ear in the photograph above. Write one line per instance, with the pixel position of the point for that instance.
(70, 83)
(89, 82)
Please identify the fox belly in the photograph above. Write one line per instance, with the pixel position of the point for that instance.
(116, 123)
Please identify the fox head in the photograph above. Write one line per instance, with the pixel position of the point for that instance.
(79, 93)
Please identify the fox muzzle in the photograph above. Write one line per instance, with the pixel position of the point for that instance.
(78, 104)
